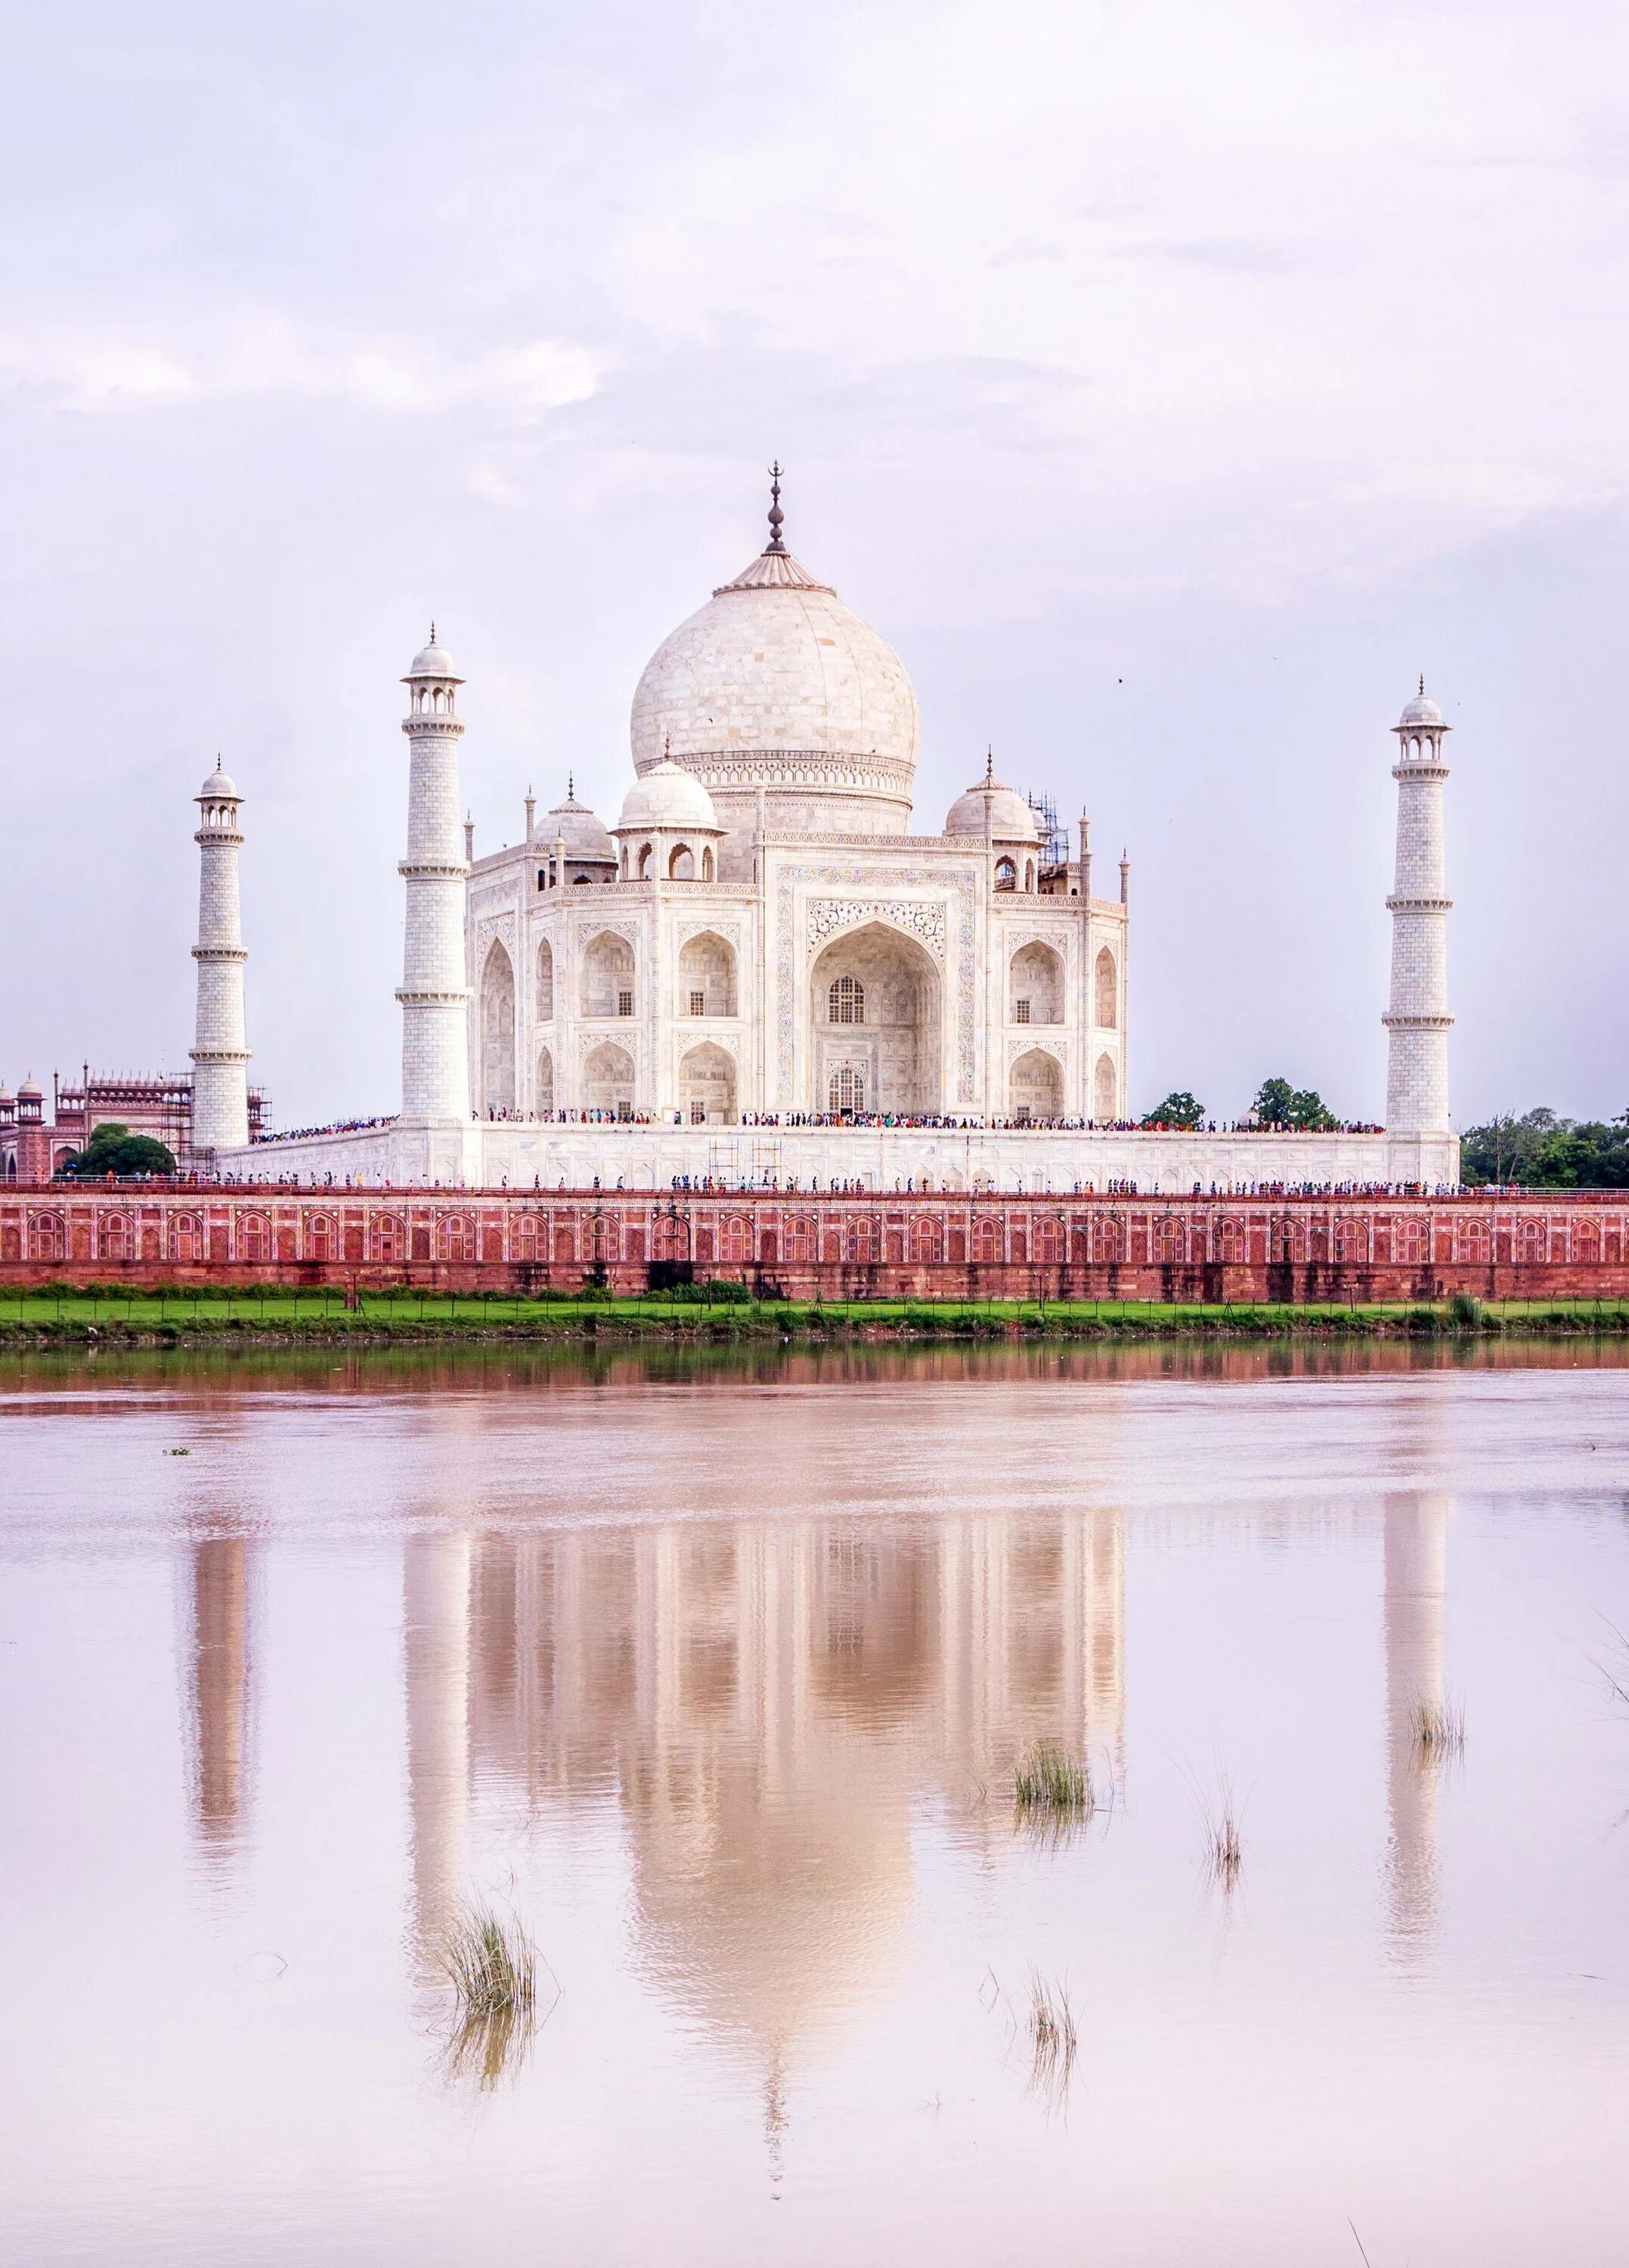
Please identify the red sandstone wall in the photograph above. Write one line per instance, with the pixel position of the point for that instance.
(919, 1245)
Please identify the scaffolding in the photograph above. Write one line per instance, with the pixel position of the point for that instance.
(1054, 836)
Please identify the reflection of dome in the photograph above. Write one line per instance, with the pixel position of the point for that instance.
(1011, 819)
(218, 788)
(583, 834)
(775, 683)
(664, 796)
(766, 1911)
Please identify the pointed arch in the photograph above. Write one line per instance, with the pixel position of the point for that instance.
(498, 1030)
(1105, 1092)
(707, 1087)
(1036, 1088)
(1106, 982)
(707, 976)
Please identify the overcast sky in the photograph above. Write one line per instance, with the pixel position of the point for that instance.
(1170, 386)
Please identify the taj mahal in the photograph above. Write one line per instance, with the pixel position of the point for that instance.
(762, 970)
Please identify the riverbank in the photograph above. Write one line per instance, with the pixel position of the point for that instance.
(85, 1316)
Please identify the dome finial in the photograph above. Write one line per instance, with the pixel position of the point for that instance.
(667, 747)
(989, 766)
(1422, 684)
(571, 787)
(777, 516)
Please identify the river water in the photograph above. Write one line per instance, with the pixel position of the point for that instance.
(711, 1676)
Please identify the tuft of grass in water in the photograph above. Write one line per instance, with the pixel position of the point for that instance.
(492, 1964)
(1465, 1312)
(1047, 1778)
(1219, 1812)
(1052, 2040)
(1438, 1730)
(1225, 1847)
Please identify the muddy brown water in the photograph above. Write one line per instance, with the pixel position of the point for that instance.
(711, 1672)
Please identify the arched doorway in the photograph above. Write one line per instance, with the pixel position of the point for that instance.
(1103, 1091)
(1037, 1087)
(498, 1031)
(608, 1081)
(706, 976)
(875, 1025)
(707, 1087)
(1038, 986)
(545, 1084)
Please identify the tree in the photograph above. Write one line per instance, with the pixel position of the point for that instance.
(1543, 1151)
(113, 1149)
(1179, 1112)
(1279, 1104)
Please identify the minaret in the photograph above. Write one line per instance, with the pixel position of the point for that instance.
(220, 1093)
(1418, 1020)
(434, 996)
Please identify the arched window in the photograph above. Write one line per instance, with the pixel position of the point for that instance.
(707, 866)
(545, 983)
(607, 976)
(681, 864)
(1029, 874)
(1108, 992)
(1006, 874)
(707, 977)
(845, 1003)
(545, 1101)
(1037, 986)
(847, 1090)
(645, 855)
(1102, 1092)
(498, 1031)
(1038, 1087)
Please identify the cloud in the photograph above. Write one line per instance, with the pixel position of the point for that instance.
(253, 356)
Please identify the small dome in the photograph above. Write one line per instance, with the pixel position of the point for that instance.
(580, 830)
(1011, 819)
(218, 788)
(1421, 710)
(666, 796)
(6, 1097)
(28, 1092)
(433, 661)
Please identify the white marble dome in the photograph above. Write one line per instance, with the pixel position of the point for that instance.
(1011, 819)
(217, 788)
(583, 832)
(1421, 711)
(664, 796)
(776, 665)
(432, 660)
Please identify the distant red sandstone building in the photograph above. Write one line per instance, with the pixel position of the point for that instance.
(32, 1148)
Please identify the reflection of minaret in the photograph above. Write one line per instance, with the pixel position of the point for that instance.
(435, 1601)
(219, 1581)
(1034, 1639)
(1416, 1559)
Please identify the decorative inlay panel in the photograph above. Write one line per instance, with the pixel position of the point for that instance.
(925, 922)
